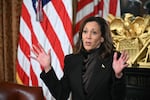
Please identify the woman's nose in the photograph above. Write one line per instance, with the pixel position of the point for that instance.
(88, 35)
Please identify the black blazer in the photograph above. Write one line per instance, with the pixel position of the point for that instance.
(103, 85)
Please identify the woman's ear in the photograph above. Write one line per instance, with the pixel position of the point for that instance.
(102, 39)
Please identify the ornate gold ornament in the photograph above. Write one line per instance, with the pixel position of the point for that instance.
(133, 35)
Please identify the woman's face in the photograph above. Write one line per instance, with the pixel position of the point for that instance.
(91, 36)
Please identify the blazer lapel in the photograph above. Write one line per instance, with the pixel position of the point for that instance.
(98, 76)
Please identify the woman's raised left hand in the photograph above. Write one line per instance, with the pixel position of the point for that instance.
(120, 63)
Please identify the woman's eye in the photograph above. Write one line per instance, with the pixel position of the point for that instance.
(94, 32)
(84, 31)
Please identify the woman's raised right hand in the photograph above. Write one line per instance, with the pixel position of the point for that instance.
(42, 57)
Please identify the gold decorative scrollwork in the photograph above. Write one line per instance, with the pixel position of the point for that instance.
(133, 35)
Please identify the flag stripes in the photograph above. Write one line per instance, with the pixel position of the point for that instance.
(67, 23)
(101, 8)
(53, 39)
(53, 32)
(113, 7)
(26, 17)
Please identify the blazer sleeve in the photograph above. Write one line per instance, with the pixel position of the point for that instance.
(118, 86)
(60, 89)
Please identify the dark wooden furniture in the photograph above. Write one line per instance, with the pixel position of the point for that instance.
(137, 84)
(13, 91)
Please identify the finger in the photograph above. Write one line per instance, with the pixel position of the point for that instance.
(33, 58)
(126, 65)
(41, 48)
(36, 49)
(115, 56)
(49, 52)
(34, 52)
(127, 58)
(124, 55)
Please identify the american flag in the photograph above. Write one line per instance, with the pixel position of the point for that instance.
(49, 22)
(86, 8)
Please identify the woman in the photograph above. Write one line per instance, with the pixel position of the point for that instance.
(93, 72)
